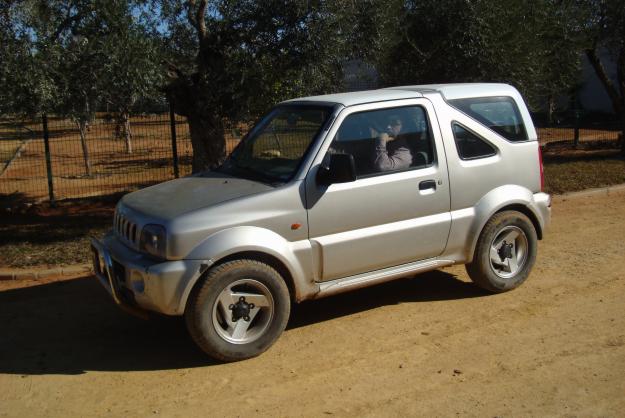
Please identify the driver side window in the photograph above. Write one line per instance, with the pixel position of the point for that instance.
(386, 140)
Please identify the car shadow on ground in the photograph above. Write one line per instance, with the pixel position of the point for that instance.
(72, 327)
(432, 286)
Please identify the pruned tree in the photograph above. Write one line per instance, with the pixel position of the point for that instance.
(132, 69)
(79, 92)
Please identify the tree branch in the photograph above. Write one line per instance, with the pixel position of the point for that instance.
(620, 73)
(195, 16)
(67, 22)
(173, 69)
(605, 80)
(199, 18)
(190, 14)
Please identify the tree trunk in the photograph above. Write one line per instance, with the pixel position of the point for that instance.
(617, 96)
(205, 122)
(208, 141)
(623, 134)
(126, 132)
(82, 127)
(122, 129)
(551, 106)
(620, 76)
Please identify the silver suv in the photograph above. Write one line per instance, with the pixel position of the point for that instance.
(332, 193)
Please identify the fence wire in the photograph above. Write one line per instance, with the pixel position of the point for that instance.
(110, 157)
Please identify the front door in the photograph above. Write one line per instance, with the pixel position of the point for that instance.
(397, 211)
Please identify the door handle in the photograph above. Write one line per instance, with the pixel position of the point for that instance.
(427, 184)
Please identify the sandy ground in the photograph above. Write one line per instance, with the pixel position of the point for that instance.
(432, 345)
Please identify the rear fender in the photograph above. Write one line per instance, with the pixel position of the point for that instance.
(467, 224)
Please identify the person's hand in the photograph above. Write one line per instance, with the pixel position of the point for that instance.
(384, 137)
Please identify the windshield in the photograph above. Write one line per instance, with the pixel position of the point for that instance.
(275, 147)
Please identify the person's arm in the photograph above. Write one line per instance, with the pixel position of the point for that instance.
(400, 158)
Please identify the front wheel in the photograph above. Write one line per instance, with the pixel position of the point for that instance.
(505, 252)
(239, 310)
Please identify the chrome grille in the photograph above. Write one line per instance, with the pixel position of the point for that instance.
(125, 229)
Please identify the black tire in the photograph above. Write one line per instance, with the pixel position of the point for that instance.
(213, 326)
(500, 275)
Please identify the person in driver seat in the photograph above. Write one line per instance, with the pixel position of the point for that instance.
(391, 150)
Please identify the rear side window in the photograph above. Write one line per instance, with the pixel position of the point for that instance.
(501, 114)
(469, 145)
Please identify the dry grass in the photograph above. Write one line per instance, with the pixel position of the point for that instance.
(47, 245)
(53, 236)
(583, 172)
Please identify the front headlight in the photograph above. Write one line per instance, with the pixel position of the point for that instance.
(153, 240)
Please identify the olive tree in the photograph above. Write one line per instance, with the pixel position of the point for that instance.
(230, 59)
(27, 59)
(527, 43)
(131, 70)
(70, 57)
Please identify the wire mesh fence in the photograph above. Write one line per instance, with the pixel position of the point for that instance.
(607, 133)
(104, 156)
(97, 158)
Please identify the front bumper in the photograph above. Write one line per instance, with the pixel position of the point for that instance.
(139, 283)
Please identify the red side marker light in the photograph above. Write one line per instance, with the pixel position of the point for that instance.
(295, 226)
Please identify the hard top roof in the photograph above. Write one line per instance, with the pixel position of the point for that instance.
(449, 91)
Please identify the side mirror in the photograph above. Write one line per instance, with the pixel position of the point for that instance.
(337, 168)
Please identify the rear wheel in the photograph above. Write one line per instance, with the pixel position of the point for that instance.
(239, 310)
(505, 252)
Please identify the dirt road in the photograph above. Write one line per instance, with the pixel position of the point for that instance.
(432, 345)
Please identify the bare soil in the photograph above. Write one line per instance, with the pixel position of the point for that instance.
(431, 345)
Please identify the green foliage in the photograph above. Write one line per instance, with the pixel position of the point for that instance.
(527, 43)
(232, 59)
(131, 69)
(603, 23)
(255, 53)
(25, 84)
(70, 57)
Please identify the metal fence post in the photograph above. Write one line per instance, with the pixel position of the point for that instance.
(174, 145)
(46, 143)
(576, 129)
